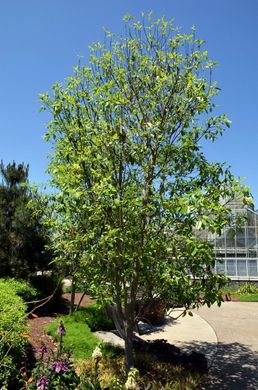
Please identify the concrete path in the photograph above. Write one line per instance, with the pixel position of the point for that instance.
(235, 366)
(227, 335)
(188, 333)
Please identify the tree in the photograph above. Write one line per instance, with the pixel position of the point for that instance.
(134, 184)
(22, 237)
(67, 244)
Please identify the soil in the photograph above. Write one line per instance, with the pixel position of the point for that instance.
(38, 321)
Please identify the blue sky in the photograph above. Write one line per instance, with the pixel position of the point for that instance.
(40, 42)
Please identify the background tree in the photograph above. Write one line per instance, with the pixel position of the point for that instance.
(134, 182)
(68, 242)
(22, 237)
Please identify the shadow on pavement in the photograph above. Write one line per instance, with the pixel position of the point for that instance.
(234, 368)
(209, 349)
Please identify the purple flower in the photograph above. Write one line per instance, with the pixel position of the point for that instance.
(59, 367)
(22, 369)
(61, 329)
(43, 349)
(42, 384)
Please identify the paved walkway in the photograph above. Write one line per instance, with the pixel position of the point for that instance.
(228, 335)
(188, 333)
(235, 366)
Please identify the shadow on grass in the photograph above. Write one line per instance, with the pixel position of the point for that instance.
(111, 351)
(232, 367)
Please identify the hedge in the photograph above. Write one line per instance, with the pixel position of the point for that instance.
(13, 333)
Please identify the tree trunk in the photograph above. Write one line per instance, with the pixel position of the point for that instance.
(118, 318)
(71, 310)
(125, 328)
(80, 301)
(129, 360)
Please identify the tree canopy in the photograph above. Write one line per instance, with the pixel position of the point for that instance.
(134, 183)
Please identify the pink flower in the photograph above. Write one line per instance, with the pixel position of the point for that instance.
(61, 329)
(42, 384)
(59, 367)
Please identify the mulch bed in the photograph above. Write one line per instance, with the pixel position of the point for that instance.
(43, 318)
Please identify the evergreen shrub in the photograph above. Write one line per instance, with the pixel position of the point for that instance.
(13, 333)
(23, 289)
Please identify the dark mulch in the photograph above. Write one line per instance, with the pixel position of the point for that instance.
(41, 318)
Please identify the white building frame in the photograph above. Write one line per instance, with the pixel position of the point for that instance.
(236, 249)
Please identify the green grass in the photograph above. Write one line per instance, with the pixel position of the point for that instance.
(95, 317)
(79, 341)
(246, 297)
(245, 293)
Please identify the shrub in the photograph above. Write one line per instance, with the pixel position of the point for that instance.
(95, 317)
(247, 288)
(23, 289)
(153, 311)
(13, 336)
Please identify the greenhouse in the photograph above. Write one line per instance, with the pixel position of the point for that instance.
(236, 249)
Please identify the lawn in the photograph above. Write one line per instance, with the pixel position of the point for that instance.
(245, 297)
(248, 292)
(79, 340)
